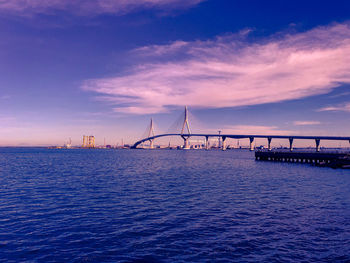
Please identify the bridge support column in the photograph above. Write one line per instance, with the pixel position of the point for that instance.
(251, 145)
(317, 145)
(224, 143)
(291, 144)
(269, 139)
(186, 142)
(206, 142)
(151, 145)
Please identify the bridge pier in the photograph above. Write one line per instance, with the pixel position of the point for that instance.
(291, 144)
(151, 146)
(324, 159)
(186, 142)
(269, 139)
(317, 145)
(224, 143)
(251, 145)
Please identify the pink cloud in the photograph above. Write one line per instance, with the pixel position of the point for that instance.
(303, 123)
(341, 107)
(89, 7)
(229, 71)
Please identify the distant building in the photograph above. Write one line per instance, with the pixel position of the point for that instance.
(88, 142)
(85, 141)
(68, 144)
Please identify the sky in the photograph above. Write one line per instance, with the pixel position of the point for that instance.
(70, 68)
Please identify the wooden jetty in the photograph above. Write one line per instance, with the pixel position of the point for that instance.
(326, 159)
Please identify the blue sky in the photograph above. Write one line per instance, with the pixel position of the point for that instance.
(103, 67)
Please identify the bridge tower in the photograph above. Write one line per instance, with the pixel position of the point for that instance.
(185, 125)
(151, 134)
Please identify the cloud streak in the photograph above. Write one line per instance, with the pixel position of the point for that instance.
(304, 123)
(229, 71)
(89, 7)
(340, 107)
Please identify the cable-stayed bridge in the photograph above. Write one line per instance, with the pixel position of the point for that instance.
(185, 133)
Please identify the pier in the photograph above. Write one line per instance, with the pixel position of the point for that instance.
(327, 159)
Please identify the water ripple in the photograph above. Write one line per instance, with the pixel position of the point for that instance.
(169, 206)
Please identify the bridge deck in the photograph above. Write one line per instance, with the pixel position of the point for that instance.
(243, 136)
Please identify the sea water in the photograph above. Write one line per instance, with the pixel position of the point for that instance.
(78, 205)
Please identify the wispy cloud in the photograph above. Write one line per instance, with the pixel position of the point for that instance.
(343, 94)
(340, 107)
(303, 123)
(89, 7)
(229, 71)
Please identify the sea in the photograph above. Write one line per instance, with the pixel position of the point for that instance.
(107, 205)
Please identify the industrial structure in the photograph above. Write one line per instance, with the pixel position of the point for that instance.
(88, 141)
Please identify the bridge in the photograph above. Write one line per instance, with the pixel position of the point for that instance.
(185, 135)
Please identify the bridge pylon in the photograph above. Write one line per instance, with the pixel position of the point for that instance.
(151, 134)
(185, 125)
